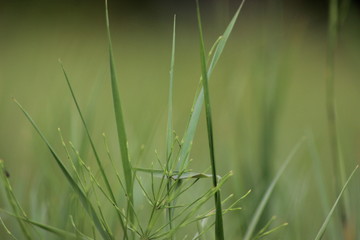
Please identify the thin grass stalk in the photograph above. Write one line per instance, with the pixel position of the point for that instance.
(319, 177)
(7, 229)
(219, 228)
(321, 232)
(120, 125)
(265, 199)
(199, 98)
(19, 213)
(337, 161)
(169, 133)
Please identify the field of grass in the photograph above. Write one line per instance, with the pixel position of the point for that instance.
(269, 106)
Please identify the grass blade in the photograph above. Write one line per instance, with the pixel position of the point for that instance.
(18, 211)
(54, 230)
(7, 229)
(199, 99)
(335, 147)
(320, 181)
(169, 133)
(219, 228)
(120, 125)
(98, 161)
(59, 232)
(326, 222)
(82, 196)
(256, 217)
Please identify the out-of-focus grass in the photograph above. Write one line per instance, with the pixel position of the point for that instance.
(258, 53)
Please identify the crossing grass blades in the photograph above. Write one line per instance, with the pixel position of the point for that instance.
(109, 210)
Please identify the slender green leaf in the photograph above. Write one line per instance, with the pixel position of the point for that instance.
(321, 185)
(187, 175)
(169, 133)
(149, 170)
(98, 161)
(18, 211)
(120, 125)
(265, 230)
(77, 189)
(176, 175)
(219, 228)
(271, 231)
(339, 173)
(327, 219)
(259, 210)
(7, 229)
(57, 231)
(199, 98)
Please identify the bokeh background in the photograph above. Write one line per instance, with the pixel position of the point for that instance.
(268, 91)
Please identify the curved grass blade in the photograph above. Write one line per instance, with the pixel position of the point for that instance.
(77, 189)
(266, 231)
(219, 228)
(199, 98)
(255, 219)
(54, 230)
(321, 185)
(326, 222)
(98, 161)
(120, 125)
(8, 232)
(18, 211)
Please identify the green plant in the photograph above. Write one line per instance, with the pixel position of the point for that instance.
(121, 199)
(175, 177)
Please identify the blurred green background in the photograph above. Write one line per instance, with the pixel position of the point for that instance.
(268, 91)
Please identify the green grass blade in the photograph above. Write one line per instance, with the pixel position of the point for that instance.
(199, 98)
(335, 146)
(175, 174)
(18, 211)
(256, 217)
(120, 125)
(222, 42)
(338, 162)
(321, 185)
(57, 231)
(77, 189)
(8, 232)
(98, 161)
(219, 228)
(326, 222)
(169, 132)
(54, 230)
